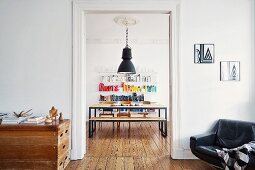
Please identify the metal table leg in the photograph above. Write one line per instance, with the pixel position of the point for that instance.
(161, 126)
(159, 123)
(90, 128)
(166, 122)
(112, 122)
(94, 122)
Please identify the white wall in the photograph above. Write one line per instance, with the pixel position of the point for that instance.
(36, 59)
(204, 98)
(35, 55)
(150, 50)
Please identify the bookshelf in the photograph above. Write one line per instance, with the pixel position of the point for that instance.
(126, 87)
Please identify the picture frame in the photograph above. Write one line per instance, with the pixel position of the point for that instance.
(203, 53)
(230, 71)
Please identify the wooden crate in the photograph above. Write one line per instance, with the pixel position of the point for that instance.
(31, 146)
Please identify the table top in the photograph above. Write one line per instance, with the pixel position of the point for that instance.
(54, 125)
(143, 106)
(127, 119)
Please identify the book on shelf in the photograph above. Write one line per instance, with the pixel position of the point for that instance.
(35, 118)
(9, 123)
(35, 121)
(12, 119)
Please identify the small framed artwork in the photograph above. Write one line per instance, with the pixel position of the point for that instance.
(230, 71)
(203, 53)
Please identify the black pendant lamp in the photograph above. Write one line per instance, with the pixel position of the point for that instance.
(126, 66)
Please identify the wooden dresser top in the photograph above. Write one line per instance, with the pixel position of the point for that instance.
(55, 125)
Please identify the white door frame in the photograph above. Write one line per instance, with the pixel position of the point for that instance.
(80, 8)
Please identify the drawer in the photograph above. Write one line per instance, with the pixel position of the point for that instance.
(63, 133)
(63, 147)
(63, 161)
(28, 152)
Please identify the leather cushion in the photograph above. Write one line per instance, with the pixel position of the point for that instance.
(208, 150)
(231, 134)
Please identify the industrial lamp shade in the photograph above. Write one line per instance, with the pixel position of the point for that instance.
(126, 66)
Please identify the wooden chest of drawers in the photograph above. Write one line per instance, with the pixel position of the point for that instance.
(29, 146)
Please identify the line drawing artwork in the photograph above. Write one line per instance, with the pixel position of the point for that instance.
(208, 55)
(233, 73)
(198, 56)
(203, 53)
(230, 71)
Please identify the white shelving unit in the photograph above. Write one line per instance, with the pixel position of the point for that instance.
(111, 77)
(112, 83)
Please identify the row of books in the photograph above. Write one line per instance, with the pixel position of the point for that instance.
(12, 119)
(34, 120)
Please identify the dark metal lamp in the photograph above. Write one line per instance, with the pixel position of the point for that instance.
(126, 66)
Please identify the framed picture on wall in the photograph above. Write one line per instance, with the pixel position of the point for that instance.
(203, 53)
(230, 71)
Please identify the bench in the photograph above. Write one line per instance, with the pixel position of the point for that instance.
(162, 128)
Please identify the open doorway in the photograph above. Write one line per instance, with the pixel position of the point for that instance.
(149, 40)
(79, 65)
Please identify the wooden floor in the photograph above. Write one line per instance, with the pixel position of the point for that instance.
(141, 148)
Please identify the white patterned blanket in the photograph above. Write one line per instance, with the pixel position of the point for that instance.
(237, 158)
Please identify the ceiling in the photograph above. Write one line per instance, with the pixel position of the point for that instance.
(150, 27)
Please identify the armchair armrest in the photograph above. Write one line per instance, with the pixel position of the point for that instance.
(202, 140)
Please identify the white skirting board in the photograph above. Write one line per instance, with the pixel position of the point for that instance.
(178, 153)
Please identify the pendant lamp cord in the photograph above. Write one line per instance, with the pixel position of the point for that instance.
(126, 36)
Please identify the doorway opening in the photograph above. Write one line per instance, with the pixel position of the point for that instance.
(79, 66)
(149, 41)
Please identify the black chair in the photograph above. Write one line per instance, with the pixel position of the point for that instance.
(226, 134)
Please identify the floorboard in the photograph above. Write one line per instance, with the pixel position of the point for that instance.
(141, 147)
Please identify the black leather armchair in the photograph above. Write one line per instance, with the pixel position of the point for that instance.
(226, 134)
